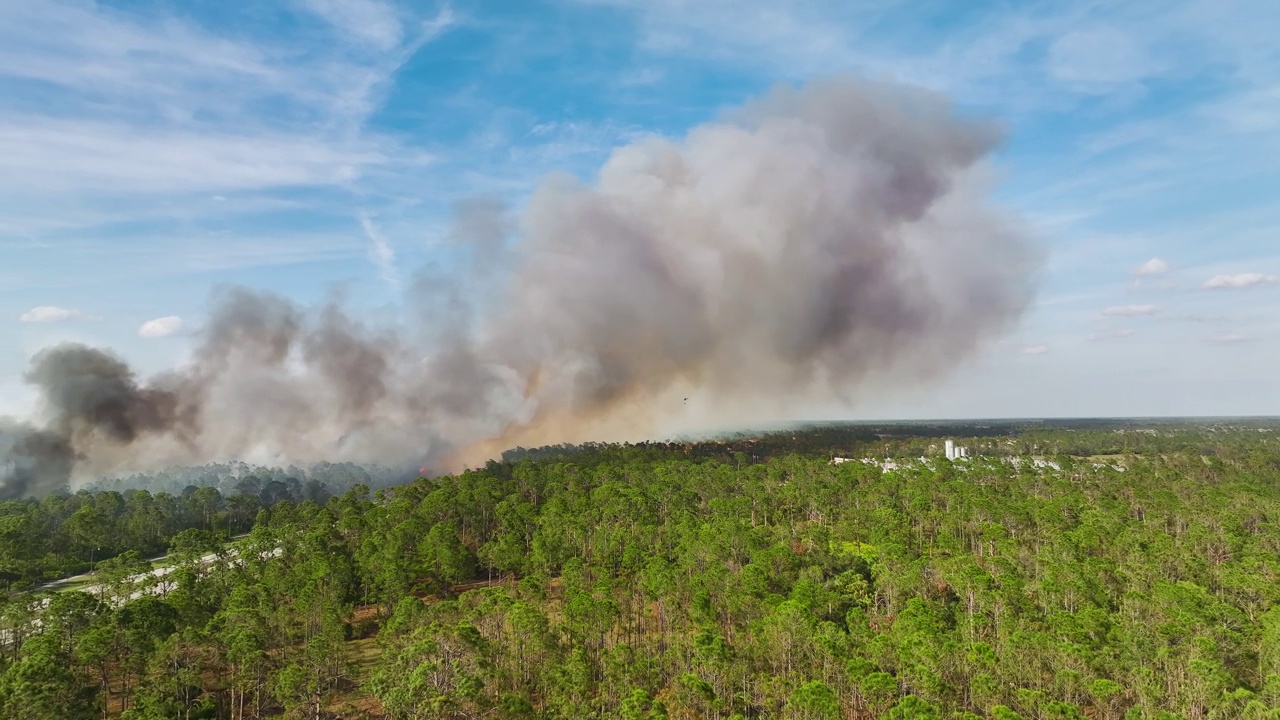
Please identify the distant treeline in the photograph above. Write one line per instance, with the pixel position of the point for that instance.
(1081, 437)
(271, 484)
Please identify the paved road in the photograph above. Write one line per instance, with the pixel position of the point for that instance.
(94, 589)
(148, 583)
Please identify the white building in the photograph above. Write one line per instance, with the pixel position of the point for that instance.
(955, 452)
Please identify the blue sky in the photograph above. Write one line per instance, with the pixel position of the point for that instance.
(152, 151)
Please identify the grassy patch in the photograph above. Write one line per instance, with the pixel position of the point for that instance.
(364, 654)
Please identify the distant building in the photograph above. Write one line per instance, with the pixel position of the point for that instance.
(884, 464)
(955, 452)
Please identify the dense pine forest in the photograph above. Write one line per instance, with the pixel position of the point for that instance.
(1131, 572)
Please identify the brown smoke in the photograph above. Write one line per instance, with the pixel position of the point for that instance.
(812, 242)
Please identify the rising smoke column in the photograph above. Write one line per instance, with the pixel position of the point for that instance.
(816, 240)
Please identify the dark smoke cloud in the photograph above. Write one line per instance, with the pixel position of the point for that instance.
(818, 241)
(32, 462)
(91, 392)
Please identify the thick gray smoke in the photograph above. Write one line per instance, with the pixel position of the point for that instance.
(812, 243)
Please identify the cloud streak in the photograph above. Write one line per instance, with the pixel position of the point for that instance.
(1130, 310)
(1120, 334)
(126, 110)
(368, 21)
(77, 157)
(1240, 281)
(380, 251)
(53, 313)
(1096, 59)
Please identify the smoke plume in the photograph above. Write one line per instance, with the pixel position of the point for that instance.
(816, 242)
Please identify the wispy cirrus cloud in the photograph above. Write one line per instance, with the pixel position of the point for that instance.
(186, 124)
(1118, 334)
(1042, 49)
(381, 251)
(80, 157)
(1256, 111)
(1130, 310)
(1098, 58)
(369, 21)
(104, 104)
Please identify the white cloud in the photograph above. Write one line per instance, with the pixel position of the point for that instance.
(111, 159)
(159, 255)
(1130, 310)
(817, 38)
(560, 143)
(1240, 280)
(1034, 350)
(736, 30)
(80, 48)
(378, 24)
(1154, 266)
(155, 103)
(1255, 111)
(990, 53)
(1099, 57)
(160, 327)
(443, 20)
(1230, 338)
(1112, 334)
(53, 313)
(368, 21)
(381, 252)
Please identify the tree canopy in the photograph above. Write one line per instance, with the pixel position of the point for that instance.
(1130, 574)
